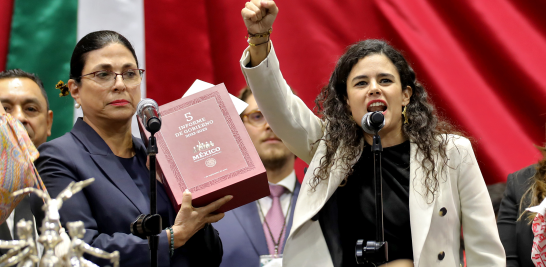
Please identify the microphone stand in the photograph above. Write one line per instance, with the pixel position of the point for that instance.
(378, 181)
(375, 252)
(153, 239)
(149, 225)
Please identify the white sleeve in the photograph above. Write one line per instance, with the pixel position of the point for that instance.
(287, 114)
(481, 237)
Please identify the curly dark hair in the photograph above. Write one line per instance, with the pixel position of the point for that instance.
(537, 189)
(424, 128)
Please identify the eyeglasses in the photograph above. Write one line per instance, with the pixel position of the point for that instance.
(107, 79)
(255, 118)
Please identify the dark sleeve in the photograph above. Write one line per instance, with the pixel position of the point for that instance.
(57, 171)
(506, 222)
(205, 249)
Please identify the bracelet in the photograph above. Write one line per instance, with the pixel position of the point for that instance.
(171, 246)
(251, 44)
(259, 35)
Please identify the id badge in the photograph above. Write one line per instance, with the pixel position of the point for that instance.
(271, 260)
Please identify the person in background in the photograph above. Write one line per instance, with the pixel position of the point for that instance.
(431, 177)
(496, 192)
(524, 188)
(105, 82)
(22, 95)
(255, 229)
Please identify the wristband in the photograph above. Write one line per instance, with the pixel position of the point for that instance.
(171, 246)
(259, 35)
(252, 44)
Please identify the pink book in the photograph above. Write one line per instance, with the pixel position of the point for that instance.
(204, 147)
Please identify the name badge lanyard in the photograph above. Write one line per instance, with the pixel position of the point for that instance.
(278, 241)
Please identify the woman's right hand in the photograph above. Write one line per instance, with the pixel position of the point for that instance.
(189, 220)
(259, 16)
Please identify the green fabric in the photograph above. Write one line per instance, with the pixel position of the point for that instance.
(43, 35)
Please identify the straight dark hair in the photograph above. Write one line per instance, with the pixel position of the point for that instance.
(94, 41)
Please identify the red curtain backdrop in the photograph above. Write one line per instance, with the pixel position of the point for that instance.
(6, 10)
(481, 61)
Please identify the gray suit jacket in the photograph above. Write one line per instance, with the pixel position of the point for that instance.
(243, 237)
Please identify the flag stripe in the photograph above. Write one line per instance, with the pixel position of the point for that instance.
(123, 16)
(6, 10)
(43, 35)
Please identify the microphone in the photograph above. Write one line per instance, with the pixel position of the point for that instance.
(147, 111)
(373, 122)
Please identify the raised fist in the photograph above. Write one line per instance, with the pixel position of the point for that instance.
(259, 15)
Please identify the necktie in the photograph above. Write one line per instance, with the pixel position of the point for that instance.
(275, 220)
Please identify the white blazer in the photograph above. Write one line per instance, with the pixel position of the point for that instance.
(462, 190)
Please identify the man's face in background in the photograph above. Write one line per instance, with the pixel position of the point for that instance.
(23, 99)
(271, 149)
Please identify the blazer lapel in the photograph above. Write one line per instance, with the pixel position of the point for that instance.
(309, 202)
(292, 208)
(109, 163)
(420, 211)
(249, 219)
(117, 174)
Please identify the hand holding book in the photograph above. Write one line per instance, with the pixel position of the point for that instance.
(189, 220)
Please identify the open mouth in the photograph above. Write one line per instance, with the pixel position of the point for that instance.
(377, 105)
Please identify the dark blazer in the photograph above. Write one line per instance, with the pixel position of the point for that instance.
(516, 235)
(21, 212)
(109, 205)
(243, 236)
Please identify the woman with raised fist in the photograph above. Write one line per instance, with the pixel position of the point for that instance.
(432, 185)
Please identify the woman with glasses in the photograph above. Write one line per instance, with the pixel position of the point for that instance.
(432, 185)
(105, 82)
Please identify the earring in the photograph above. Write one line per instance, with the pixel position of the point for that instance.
(77, 106)
(405, 116)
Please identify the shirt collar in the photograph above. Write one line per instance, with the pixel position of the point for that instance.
(289, 182)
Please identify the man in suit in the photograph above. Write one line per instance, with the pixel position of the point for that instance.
(261, 227)
(23, 96)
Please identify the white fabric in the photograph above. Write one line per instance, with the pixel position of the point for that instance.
(39, 245)
(199, 86)
(10, 222)
(541, 208)
(123, 16)
(461, 190)
(289, 183)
